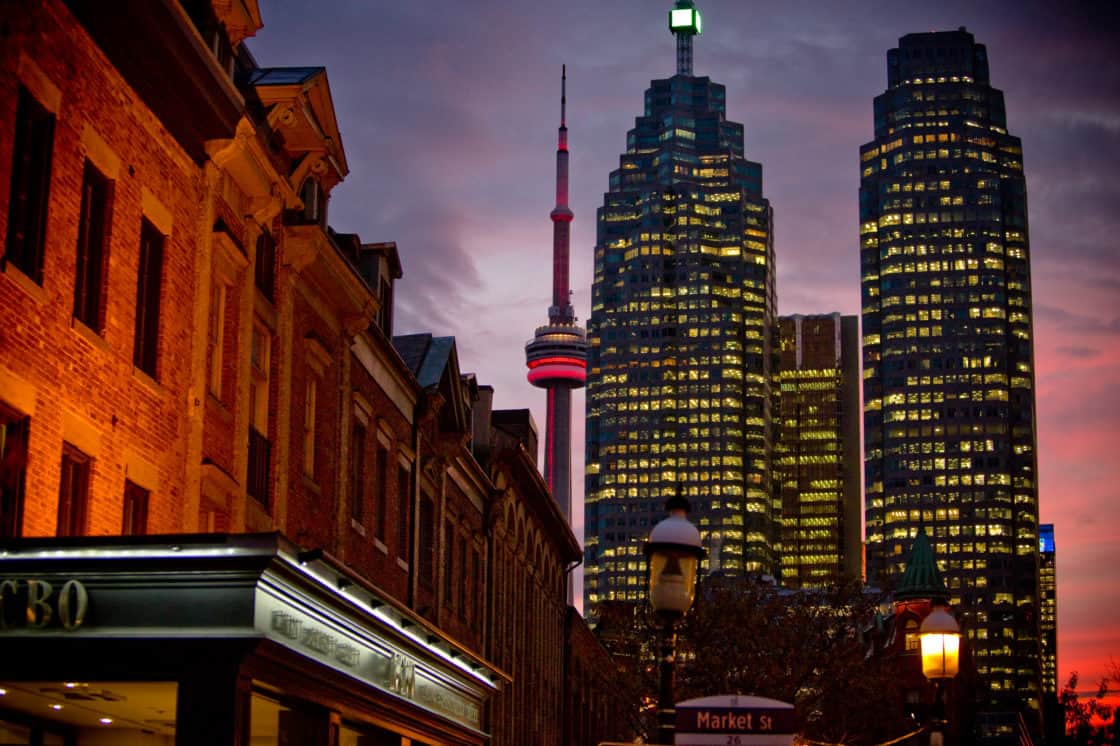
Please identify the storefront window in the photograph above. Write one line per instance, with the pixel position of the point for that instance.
(272, 723)
(87, 713)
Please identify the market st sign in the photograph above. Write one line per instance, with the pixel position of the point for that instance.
(735, 721)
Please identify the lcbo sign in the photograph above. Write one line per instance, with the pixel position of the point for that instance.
(34, 604)
(734, 721)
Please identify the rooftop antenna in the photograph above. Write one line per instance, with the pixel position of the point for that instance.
(685, 23)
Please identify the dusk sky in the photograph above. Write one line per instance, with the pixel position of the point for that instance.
(448, 112)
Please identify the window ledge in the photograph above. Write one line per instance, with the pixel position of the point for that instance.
(24, 283)
(402, 563)
(146, 379)
(264, 308)
(219, 407)
(89, 334)
(380, 546)
(358, 527)
(312, 486)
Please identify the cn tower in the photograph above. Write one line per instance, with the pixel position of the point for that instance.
(557, 354)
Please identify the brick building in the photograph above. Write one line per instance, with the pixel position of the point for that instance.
(191, 356)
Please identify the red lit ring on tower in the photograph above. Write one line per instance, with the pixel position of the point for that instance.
(576, 373)
(557, 361)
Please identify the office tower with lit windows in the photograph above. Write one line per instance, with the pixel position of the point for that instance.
(949, 424)
(818, 453)
(682, 338)
(1048, 608)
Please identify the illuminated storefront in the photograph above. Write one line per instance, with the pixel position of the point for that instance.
(220, 640)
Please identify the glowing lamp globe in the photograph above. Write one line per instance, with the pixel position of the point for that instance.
(941, 642)
(673, 552)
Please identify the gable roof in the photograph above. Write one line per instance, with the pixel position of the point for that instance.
(426, 356)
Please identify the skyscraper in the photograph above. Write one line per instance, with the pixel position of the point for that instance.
(1048, 608)
(818, 453)
(557, 354)
(682, 337)
(947, 350)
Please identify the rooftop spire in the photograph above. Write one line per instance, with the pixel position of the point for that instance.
(563, 93)
(684, 22)
(921, 578)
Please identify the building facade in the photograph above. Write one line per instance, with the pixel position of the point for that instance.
(818, 458)
(947, 350)
(683, 342)
(1048, 608)
(205, 418)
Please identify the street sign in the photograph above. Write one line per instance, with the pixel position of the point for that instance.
(735, 720)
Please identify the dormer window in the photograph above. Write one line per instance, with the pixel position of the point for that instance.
(314, 204)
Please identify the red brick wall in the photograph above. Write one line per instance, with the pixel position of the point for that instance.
(313, 503)
(74, 370)
(366, 553)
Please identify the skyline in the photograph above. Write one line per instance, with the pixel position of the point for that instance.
(451, 155)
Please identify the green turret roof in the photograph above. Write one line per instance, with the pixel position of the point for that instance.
(921, 578)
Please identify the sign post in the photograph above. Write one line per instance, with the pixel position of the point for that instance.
(734, 720)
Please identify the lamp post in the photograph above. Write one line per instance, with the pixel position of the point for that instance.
(673, 553)
(941, 643)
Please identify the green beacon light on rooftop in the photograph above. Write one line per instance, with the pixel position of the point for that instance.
(684, 19)
(684, 22)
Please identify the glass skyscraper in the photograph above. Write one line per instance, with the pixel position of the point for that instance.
(949, 406)
(682, 339)
(818, 455)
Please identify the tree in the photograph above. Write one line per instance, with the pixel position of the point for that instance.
(811, 648)
(1089, 722)
(815, 649)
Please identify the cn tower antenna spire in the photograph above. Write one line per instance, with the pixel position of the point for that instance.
(557, 354)
(563, 96)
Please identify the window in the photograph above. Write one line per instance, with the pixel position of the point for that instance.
(382, 496)
(461, 572)
(385, 312)
(215, 338)
(93, 234)
(146, 344)
(264, 268)
(357, 472)
(312, 390)
(427, 554)
(476, 587)
(30, 186)
(311, 193)
(73, 492)
(13, 470)
(911, 632)
(404, 477)
(260, 449)
(448, 576)
(135, 522)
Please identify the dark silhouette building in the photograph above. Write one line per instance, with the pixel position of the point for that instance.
(682, 339)
(818, 456)
(947, 351)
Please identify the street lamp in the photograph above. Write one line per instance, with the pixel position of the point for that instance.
(673, 554)
(941, 643)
